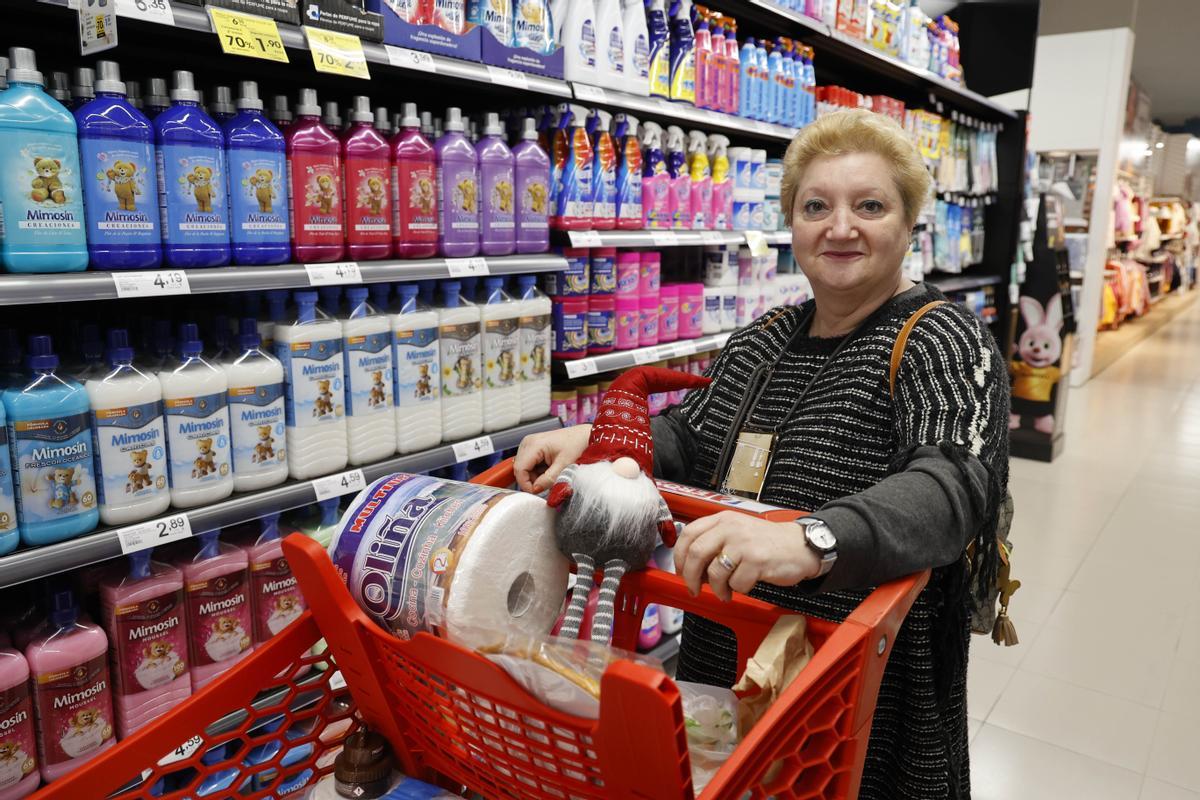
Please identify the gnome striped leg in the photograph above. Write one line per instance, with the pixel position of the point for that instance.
(602, 622)
(585, 572)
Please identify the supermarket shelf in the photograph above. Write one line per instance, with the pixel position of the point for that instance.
(623, 359)
(664, 238)
(962, 283)
(67, 287)
(37, 562)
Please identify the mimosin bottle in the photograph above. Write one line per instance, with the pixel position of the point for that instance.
(532, 191)
(366, 160)
(277, 601)
(496, 189)
(314, 184)
(217, 593)
(19, 772)
(458, 189)
(414, 190)
(255, 156)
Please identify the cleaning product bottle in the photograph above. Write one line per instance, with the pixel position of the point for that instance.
(196, 403)
(610, 44)
(733, 67)
(60, 84)
(636, 38)
(217, 594)
(706, 83)
(146, 620)
(50, 440)
(418, 376)
(367, 352)
(332, 117)
(721, 210)
(40, 192)
(534, 27)
(314, 184)
(129, 437)
(72, 691)
(116, 144)
(604, 171)
(716, 77)
(18, 740)
(414, 190)
(310, 348)
(573, 150)
(748, 86)
(763, 75)
(501, 356)
(773, 107)
(660, 49)
(810, 86)
(531, 175)
(536, 340)
(280, 113)
(256, 415)
(255, 156)
(700, 171)
(579, 42)
(656, 183)
(10, 537)
(221, 108)
(449, 15)
(680, 195)
(156, 100)
(83, 90)
(629, 173)
(683, 53)
(458, 190)
(496, 186)
(366, 158)
(277, 601)
(459, 340)
(133, 92)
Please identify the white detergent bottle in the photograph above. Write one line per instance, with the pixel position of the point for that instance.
(536, 343)
(129, 436)
(310, 348)
(197, 412)
(418, 384)
(460, 345)
(610, 44)
(367, 355)
(579, 42)
(637, 47)
(501, 357)
(276, 300)
(256, 415)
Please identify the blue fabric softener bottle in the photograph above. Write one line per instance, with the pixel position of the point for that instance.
(120, 179)
(39, 175)
(191, 163)
(50, 439)
(257, 162)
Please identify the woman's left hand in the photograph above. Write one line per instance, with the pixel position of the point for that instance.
(759, 550)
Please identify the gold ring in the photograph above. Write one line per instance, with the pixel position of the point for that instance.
(728, 563)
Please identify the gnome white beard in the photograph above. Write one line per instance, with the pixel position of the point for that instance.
(616, 511)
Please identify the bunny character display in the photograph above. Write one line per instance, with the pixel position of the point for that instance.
(1035, 374)
(610, 511)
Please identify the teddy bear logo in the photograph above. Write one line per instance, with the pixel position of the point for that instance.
(424, 381)
(1035, 374)
(139, 476)
(62, 488)
(507, 366)
(263, 183)
(538, 354)
(422, 196)
(47, 185)
(532, 13)
(86, 731)
(160, 664)
(503, 196)
(465, 195)
(226, 638)
(324, 403)
(465, 370)
(124, 186)
(205, 463)
(378, 395)
(15, 763)
(325, 194)
(286, 608)
(375, 198)
(201, 181)
(264, 449)
(537, 197)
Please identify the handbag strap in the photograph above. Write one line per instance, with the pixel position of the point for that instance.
(902, 341)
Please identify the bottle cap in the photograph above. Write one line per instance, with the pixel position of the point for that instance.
(183, 87)
(493, 284)
(529, 130)
(64, 612)
(451, 290)
(22, 66)
(4, 72)
(190, 345)
(156, 92)
(407, 290)
(133, 90)
(108, 77)
(363, 767)
(426, 120)
(526, 281)
(91, 348)
(40, 356)
(276, 302)
(119, 351)
(306, 304)
(280, 112)
(356, 299)
(331, 298)
(491, 125)
(453, 120)
(306, 104)
(60, 86)
(410, 118)
(222, 101)
(333, 115)
(248, 338)
(360, 112)
(380, 292)
(383, 122)
(84, 87)
(248, 98)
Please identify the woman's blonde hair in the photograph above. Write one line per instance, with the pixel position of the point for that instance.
(858, 131)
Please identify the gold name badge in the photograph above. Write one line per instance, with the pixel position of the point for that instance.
(748, 467)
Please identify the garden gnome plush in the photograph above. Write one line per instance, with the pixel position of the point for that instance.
(610, 511)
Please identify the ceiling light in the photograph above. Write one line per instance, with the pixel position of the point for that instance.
(1159, 145)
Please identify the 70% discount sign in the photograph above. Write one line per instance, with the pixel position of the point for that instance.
(247, 35)
(337, 53)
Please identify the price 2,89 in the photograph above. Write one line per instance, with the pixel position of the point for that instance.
(171, 525)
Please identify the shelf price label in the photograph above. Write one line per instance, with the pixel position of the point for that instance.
(589, 94)
(337, 485)
(664, 238)
(247, 35)
(647, 355)
(473, 448)
(154, 532)
(581, 367)
(585, 238)
(712, 237)
(467, 267)
(334, 273)
(337, 53)
(410, 59)
(97, 26)
(686, 348)
(153, 283)
(149, 10)
(503, 76)
(184, 750)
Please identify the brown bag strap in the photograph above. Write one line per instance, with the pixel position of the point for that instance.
(902, 341)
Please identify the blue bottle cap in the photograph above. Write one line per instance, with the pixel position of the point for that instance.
(380, 294)
(356, 298)
(119, 351)
(139, 564)
(64, 611)
(469, 287)
(190, 345)
(270, 527)
(210, 546)
(451, 291)
(41, 357)
(306, 304)
(331, 299)
(248, 337)
(329, 511)
(526, 282)
(91, 347)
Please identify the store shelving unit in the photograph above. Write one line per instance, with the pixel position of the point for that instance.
(624, 359)
(962, 283)
(666, 238)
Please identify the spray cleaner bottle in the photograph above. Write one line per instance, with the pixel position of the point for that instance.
(722, 183)
(604, 171)
(679, 198)
(656, 183)
(700, 171)
(706, 77)
(573, 151)
(683, 53)
(660, 49)
(629, 174)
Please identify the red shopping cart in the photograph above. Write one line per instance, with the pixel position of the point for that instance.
(457, 719)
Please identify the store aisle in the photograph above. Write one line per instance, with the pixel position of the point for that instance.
(1101, 700)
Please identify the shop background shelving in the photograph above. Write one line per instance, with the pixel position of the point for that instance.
(624, 359)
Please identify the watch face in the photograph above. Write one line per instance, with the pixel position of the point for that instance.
(821, 537)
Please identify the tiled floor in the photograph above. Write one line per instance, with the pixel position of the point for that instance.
(1101, 700)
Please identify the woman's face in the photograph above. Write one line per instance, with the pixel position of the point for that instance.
(849, 231)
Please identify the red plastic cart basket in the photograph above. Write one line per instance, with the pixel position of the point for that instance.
(457, 719)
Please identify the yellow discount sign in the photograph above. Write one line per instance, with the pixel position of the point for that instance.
(337, 53)
(247, 35)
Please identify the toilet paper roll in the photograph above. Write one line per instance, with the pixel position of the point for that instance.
(425, 554)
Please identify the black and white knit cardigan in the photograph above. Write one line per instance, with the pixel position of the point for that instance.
(950, 411)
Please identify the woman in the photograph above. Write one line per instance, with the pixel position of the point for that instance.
(898, 480)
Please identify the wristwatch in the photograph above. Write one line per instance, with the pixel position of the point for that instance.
(821, 539)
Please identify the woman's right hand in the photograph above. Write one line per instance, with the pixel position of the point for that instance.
(542, 456)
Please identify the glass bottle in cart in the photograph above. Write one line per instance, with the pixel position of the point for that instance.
(367, 167)
(314, 184)
(418, 381)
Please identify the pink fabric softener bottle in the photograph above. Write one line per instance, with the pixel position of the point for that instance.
(72, 693)
(277, 599)
(414, 190)
(367, 160)
(217, 589)
(146, 619)
(18, 769)
(314, 184)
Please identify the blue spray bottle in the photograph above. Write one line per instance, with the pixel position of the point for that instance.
(660, 49)
(774, 104)
(747, 80)
(39, 175)
(683, 53)
(255, 154)
(191, 160)
(120, 183)
(763, 74)
(50, 439)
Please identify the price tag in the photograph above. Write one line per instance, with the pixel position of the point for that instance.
(664, 238)
(337, 53)
(148, 10)
(151, 284)
(466, 267)
(585, 238)
(410, 59)
(154, 532)
(757, 241)
(337, 485)
(589, 94)
(503, 76)
(97, 26)
(686, 348)
(247, 35)
(184, 750)
(581, 367)
(646, 355)
(333, 274)
(473, 448)
(712, 237)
